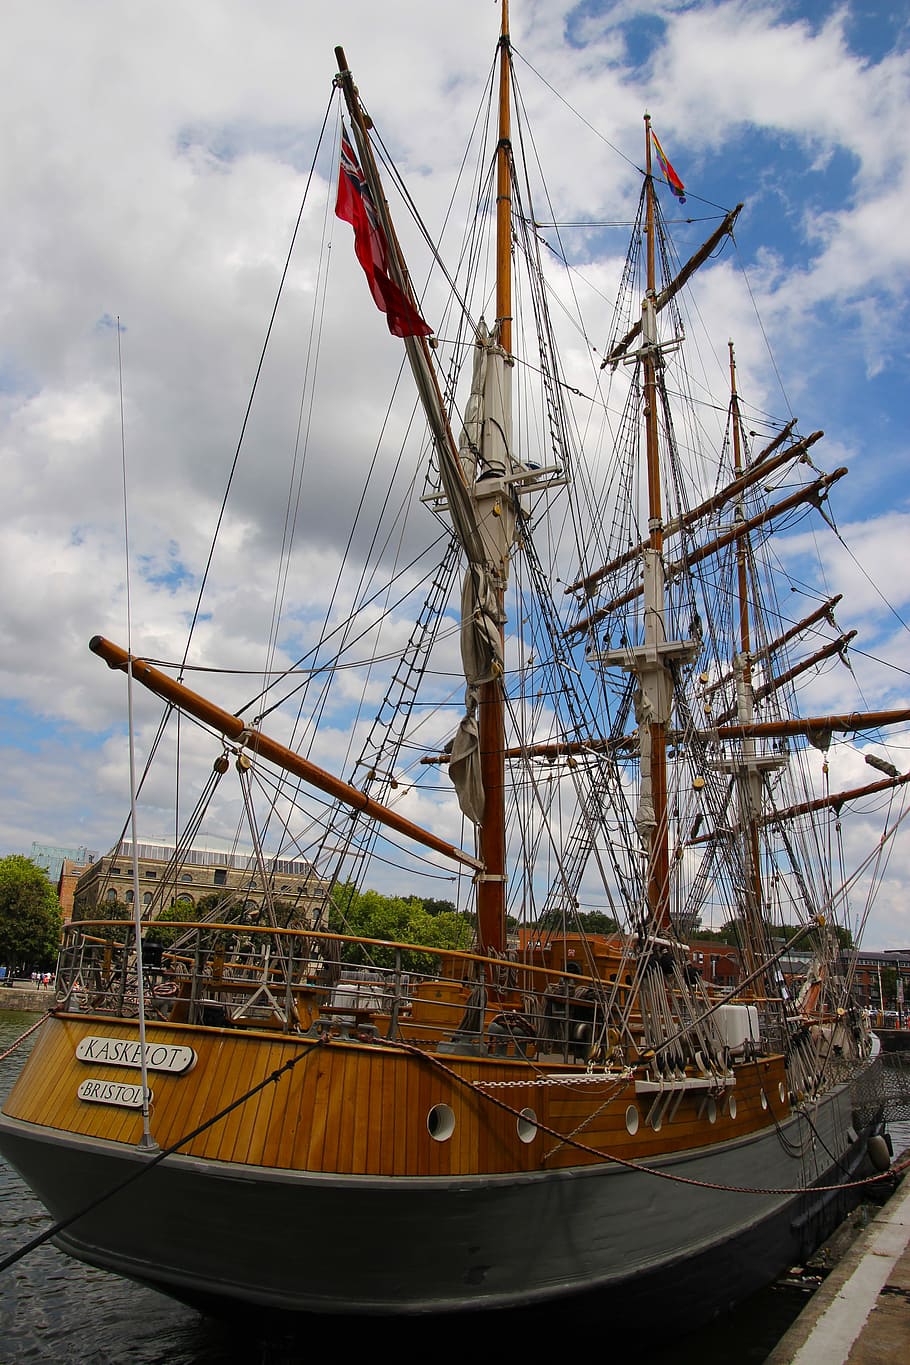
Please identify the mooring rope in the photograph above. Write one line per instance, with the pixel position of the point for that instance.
(22, 1037)
(271, 1079)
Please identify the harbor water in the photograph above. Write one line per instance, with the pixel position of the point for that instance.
(54, 1309)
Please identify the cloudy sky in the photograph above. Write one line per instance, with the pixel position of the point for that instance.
(154, 163)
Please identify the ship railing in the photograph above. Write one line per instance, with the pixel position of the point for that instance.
(299, 980)
(305, 980)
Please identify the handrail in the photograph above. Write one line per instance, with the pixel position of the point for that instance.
(431, 950)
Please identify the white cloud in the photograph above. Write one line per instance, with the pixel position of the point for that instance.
(159, 157)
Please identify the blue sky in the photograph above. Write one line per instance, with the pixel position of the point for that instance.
(156, 162)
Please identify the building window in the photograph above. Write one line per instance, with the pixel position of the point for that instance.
(150, 872)
(115, 871)
(111, 896)
(147, 898)
(220, 876)
(186, 877)
(129, 897)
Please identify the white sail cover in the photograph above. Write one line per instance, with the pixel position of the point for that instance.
(483, 518)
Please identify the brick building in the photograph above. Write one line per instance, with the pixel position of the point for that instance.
(881, 980)
(200, 872)
(70, 872)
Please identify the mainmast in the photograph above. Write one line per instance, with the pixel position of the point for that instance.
(651, 660)
(655, 682)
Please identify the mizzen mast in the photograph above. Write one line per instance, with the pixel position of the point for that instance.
(749, 764)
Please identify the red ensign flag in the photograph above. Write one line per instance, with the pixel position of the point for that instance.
(355, 205)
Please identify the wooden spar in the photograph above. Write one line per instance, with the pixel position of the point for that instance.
(832, 802)
(813, 492)
(846, 723)
(672, 289)
(778, 440)
(835, 647)
(491, 886)
(569, 748)
(504, 193)
(713, 504)
(826, 609)
(256, 742)
(857, 720)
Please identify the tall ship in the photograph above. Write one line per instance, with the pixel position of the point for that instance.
(561, 681)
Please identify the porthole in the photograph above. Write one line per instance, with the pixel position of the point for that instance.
(527, 1125)
(440, 1123)
(731, 1106)
(656, 1121)
(712, 1111)
(632, 1119)
(764, 1100)
(782, 1091)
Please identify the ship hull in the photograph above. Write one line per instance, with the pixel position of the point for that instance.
(216, 1233)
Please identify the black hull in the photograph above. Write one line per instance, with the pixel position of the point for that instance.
(604, 1239)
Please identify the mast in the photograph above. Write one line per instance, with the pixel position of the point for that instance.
(481, 482)
(747, 767)
(654, 685)
(491, 887)
(652, 661)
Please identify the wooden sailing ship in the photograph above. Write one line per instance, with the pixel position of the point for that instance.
(546, 1114)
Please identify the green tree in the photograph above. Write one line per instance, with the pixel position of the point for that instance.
(165, 928)
(597, 922)
(107, 910)
(434, 907)
(397, 919)
(581, 922)
(888, 980)
(30, 917)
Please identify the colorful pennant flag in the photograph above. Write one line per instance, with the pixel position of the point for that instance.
(672, 179)
(355, 205)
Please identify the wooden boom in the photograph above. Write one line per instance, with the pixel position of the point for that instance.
(236, 729)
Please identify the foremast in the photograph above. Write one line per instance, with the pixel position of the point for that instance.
(497, 431)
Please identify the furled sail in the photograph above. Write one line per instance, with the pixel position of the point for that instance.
(483, 516)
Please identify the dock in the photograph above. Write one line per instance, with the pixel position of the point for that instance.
(861, 1313)
(22, 995)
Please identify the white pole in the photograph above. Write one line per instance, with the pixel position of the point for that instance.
(146, 1141)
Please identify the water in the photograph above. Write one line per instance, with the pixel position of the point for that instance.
(53, 1309)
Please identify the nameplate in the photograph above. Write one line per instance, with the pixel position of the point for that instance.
(127, 1052)
(120, 1093)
